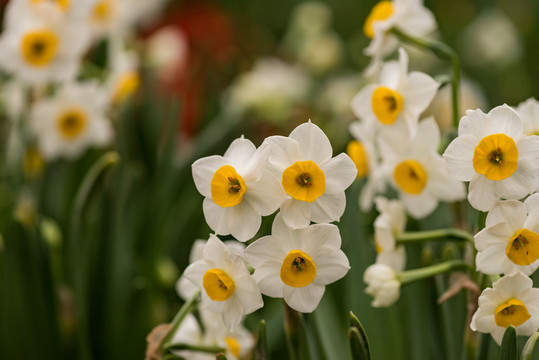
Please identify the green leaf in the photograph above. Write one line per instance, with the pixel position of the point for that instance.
(528, 347)
(261, 352)
(508, 349)
(359, 343)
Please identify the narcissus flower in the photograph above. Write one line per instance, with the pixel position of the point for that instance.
(71, 121)
(510, 240)
(493, 154)
(408, 16)
(226, 286)
(238, 189)
(390, 222)
(382, 284)
(43, 46)
(399, 97)
(511, 301)
(297, 264)
(185, 288)
(123, 80)
(418, 171)
(312, 179)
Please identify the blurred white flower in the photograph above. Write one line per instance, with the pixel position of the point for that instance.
(296, 265)
(335, 96)
(511, 301)
(321, 53)
(510, 240)
(399, 97)
(408, 16)
(493, 154)
(185, 288)
(311, 18)
(272, 88)
(382, 284)
(167, 51)
(43, 46)
(71, 121)
(418, 171)
(491, 41)
(529, 113)
(123, 79)
(387, 225)
(227, 287)
(238, 189)
(312, 179)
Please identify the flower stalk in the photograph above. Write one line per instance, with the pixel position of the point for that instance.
(433, 235)
(409, 276)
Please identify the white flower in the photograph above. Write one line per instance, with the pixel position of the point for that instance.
(271, 89)
(185, 288)
(227, 287)
(70, 9)
(408, 16)
(71, 121)
(382, 284)
(314, 181)
(189, 332)
(510, 240)
(418, 172)
(238, 189)
(123, 79)
(297, 264)
(399, 97)
(390, 222)
(493, 154)
(43, 46)
(529, 113)
(511, 301)
(111, 18)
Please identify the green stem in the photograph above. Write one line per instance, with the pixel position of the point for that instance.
(442, 51)
(187, 308)
(409, 276)
(296, 335)
(192, 347)
(433, 235)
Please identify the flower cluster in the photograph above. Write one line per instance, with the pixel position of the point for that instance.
(296, 175)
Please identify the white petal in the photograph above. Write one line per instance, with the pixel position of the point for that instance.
(496, 233)
(362, 103)
(481, 193)
(313, 143)
(203, 171)
(296, 213)
(269, 281)
(328, 207)
(419, 205)
(320, 240)
(266, 195)
(233, 313)
(253, 169)
(283, 152)
(240, 151)
(216, 217)
(248, 292)
(395, 258)
(475, 123)
(340, 173)
(264, 249)
(419, 93)
(304, 299)
(532, 205)
(418, 21)
(331, 268)
(511, 286)
(511, 212)
(459, 157)
(490, 259)
(505, 120)
(281, 231)
(391, 73)
(243, 222)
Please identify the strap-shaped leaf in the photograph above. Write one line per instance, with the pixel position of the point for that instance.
(359, 343)
(508, 350)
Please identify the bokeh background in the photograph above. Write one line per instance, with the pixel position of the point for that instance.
(86, 274)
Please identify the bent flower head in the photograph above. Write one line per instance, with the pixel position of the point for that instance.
(382, 284)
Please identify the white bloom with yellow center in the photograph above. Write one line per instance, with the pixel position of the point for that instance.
(296, 265)
(238, 189)
(312, 179)
(390, 222)
(529, 113)
(43, 46)
(70, 9)
(408, 16)
(123, 79)
(226, 286)
(399, 97)
(510, 240)
(418, 171)
(493, 154)
(512, 300)
(382, 284)
(71, 121)
(185, 288)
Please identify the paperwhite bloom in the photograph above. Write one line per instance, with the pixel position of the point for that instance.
(409, 16)
(383, 284)
(71, 121)
(123, 79)
(111, 18)
(238, 189)
(399, 97)
(43, 46)
(390, 222)
(418, 171)
(185, 288)
(529, 113)
(271, 89)
(511, 301)
(314, 181)
(227, 287)
(493, 154)
(189, 332)
(77, 10)
(510, 240)
(297, 264)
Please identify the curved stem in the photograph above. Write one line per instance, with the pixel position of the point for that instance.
(409, 276)
(442, 51)
(187, 308)
(433, 235)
